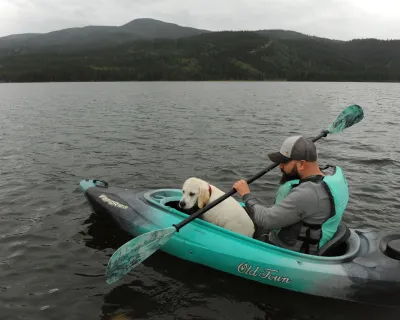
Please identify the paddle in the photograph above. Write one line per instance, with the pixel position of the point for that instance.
(138, 249)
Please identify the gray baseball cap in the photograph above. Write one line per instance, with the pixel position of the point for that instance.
(295, 148)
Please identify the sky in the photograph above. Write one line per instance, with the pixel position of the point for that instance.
(334, 19)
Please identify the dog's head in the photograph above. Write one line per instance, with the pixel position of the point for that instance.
(196, 194)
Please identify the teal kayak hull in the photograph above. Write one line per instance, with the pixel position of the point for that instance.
(364, 272)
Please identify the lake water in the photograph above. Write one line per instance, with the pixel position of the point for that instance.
(54, 250)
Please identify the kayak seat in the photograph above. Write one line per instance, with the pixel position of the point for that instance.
(337, 245)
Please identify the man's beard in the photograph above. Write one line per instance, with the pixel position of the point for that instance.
(292, 175)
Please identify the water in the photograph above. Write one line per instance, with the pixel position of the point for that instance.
(53, 250)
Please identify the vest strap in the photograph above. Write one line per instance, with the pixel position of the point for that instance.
(312, 226)
(309, 243)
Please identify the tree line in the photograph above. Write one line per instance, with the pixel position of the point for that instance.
(213, 56)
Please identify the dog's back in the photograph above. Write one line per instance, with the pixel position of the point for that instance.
(229, 214)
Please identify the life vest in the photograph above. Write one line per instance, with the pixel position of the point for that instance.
(315, 236)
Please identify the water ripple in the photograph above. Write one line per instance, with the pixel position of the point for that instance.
(53, 252)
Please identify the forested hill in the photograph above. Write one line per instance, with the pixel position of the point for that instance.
(204, 55)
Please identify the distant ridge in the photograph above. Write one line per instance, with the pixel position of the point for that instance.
(148, 49)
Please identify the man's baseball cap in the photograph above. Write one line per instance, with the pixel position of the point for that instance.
(295, 148)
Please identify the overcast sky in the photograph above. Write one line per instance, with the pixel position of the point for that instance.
(337, 19)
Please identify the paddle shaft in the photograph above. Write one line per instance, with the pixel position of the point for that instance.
(233, 191)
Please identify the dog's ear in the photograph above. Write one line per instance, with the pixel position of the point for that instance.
(203, 198)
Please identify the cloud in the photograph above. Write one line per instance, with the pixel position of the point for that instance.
(338, 19)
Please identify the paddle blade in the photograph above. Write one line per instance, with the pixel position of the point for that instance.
(349, 117)
(135, 251)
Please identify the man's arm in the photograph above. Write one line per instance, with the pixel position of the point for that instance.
(289, 211)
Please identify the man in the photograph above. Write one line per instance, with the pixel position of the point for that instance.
(309, 204)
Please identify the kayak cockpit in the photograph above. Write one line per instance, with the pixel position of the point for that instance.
(344, 245)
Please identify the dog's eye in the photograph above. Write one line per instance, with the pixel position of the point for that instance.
(191, 194)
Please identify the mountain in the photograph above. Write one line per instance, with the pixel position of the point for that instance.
(152, 29)
(146, 49)
(284, 34)
(18, 37)
(96, 37)
(225, 55)
(90, 37)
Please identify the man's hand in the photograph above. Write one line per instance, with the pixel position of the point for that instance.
(241, 187)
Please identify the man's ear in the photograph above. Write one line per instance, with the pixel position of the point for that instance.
(300, 165)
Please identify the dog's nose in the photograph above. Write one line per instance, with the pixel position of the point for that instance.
(182, 204)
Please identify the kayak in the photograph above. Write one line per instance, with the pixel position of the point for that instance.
(360, 265)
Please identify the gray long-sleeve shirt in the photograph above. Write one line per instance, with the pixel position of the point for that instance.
(308, 202)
